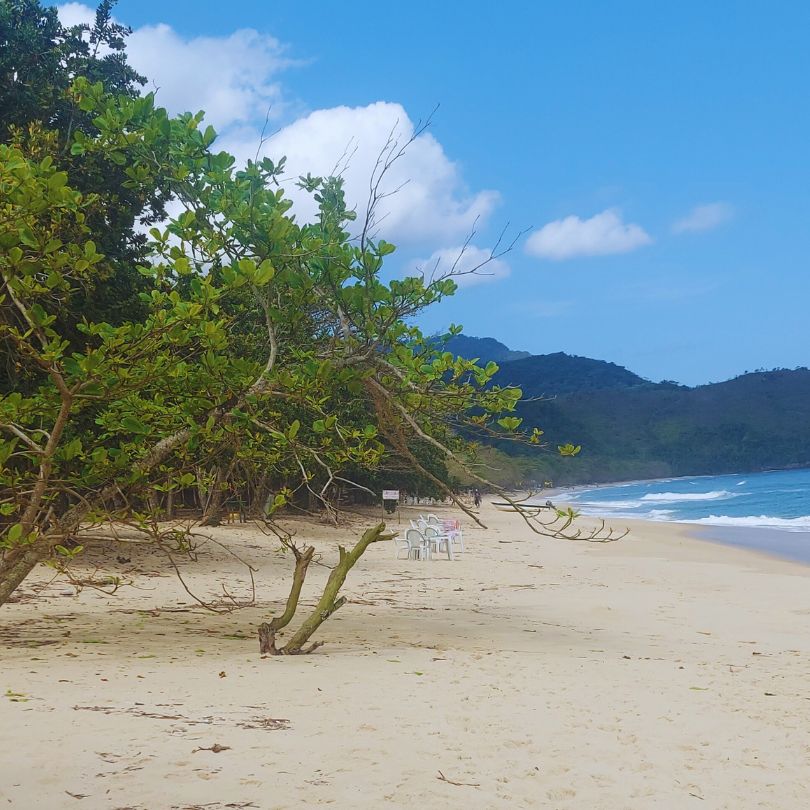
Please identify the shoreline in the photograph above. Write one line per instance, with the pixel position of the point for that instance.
(701, 535)
(790, 546)
(767, 537)
(786, 546)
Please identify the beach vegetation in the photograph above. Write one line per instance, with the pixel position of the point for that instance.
(258, 359)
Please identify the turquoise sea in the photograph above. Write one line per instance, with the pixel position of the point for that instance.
(769, 511)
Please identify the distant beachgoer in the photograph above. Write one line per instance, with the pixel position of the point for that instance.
(477, 498)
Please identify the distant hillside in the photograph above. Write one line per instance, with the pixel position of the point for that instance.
(549, 374)
(632, 428)
(485, 348)
(754, 422)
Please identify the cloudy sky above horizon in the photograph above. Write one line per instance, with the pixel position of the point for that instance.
(651, 155)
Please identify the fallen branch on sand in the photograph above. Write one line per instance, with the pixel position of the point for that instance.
(442, 778)
(327, 604)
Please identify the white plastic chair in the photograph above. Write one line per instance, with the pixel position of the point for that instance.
(414, 544)
(438, 541)
(453, 530)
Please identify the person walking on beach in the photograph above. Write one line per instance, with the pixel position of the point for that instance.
(477, 498)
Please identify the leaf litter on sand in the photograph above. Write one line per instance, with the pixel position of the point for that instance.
(267, 723)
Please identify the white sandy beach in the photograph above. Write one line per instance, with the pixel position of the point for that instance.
(657, 672)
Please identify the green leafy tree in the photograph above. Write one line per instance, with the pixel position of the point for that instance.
(39, 60)
(145, 405)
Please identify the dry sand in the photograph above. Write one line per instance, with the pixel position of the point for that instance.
(658, 672)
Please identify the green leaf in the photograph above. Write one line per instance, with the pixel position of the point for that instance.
(38, 315)
(134, 425)
(26, 237)
(209, 136)
(72, 449)
(6, 449)
(57, 181)
(247, 267)
(265, 273)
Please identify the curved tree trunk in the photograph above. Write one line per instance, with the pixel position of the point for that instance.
(15, 566)
(212, 516)
(170, 505)
(327, 604)
(268, 630)
(257, 508)
(153, 501)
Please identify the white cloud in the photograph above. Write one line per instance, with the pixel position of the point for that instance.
(75, 14)
(234, 78)
(463, 263)
(704, 218)
(231, 77)
(432, 205)
(600, 235)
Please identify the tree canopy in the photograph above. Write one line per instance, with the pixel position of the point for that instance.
(260, 357)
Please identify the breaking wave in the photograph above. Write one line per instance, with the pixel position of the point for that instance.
(797, 524)
(667, 497)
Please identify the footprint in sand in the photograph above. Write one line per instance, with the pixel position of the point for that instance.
(560, 793)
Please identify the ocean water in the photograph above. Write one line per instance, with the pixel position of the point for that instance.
(769, 511)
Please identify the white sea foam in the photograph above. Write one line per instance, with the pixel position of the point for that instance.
(659, 514)
(740, 483)
(645, 501)
(608, 504)
(671, 497)
(798, 524)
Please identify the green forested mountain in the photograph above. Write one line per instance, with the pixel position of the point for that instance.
(485, 349)
(560, 373)
(632, 428)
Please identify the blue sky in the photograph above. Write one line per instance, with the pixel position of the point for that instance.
(657, 153)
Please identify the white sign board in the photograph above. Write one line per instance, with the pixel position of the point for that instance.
(390, 494)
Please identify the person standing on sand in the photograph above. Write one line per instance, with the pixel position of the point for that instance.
(477, 498)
